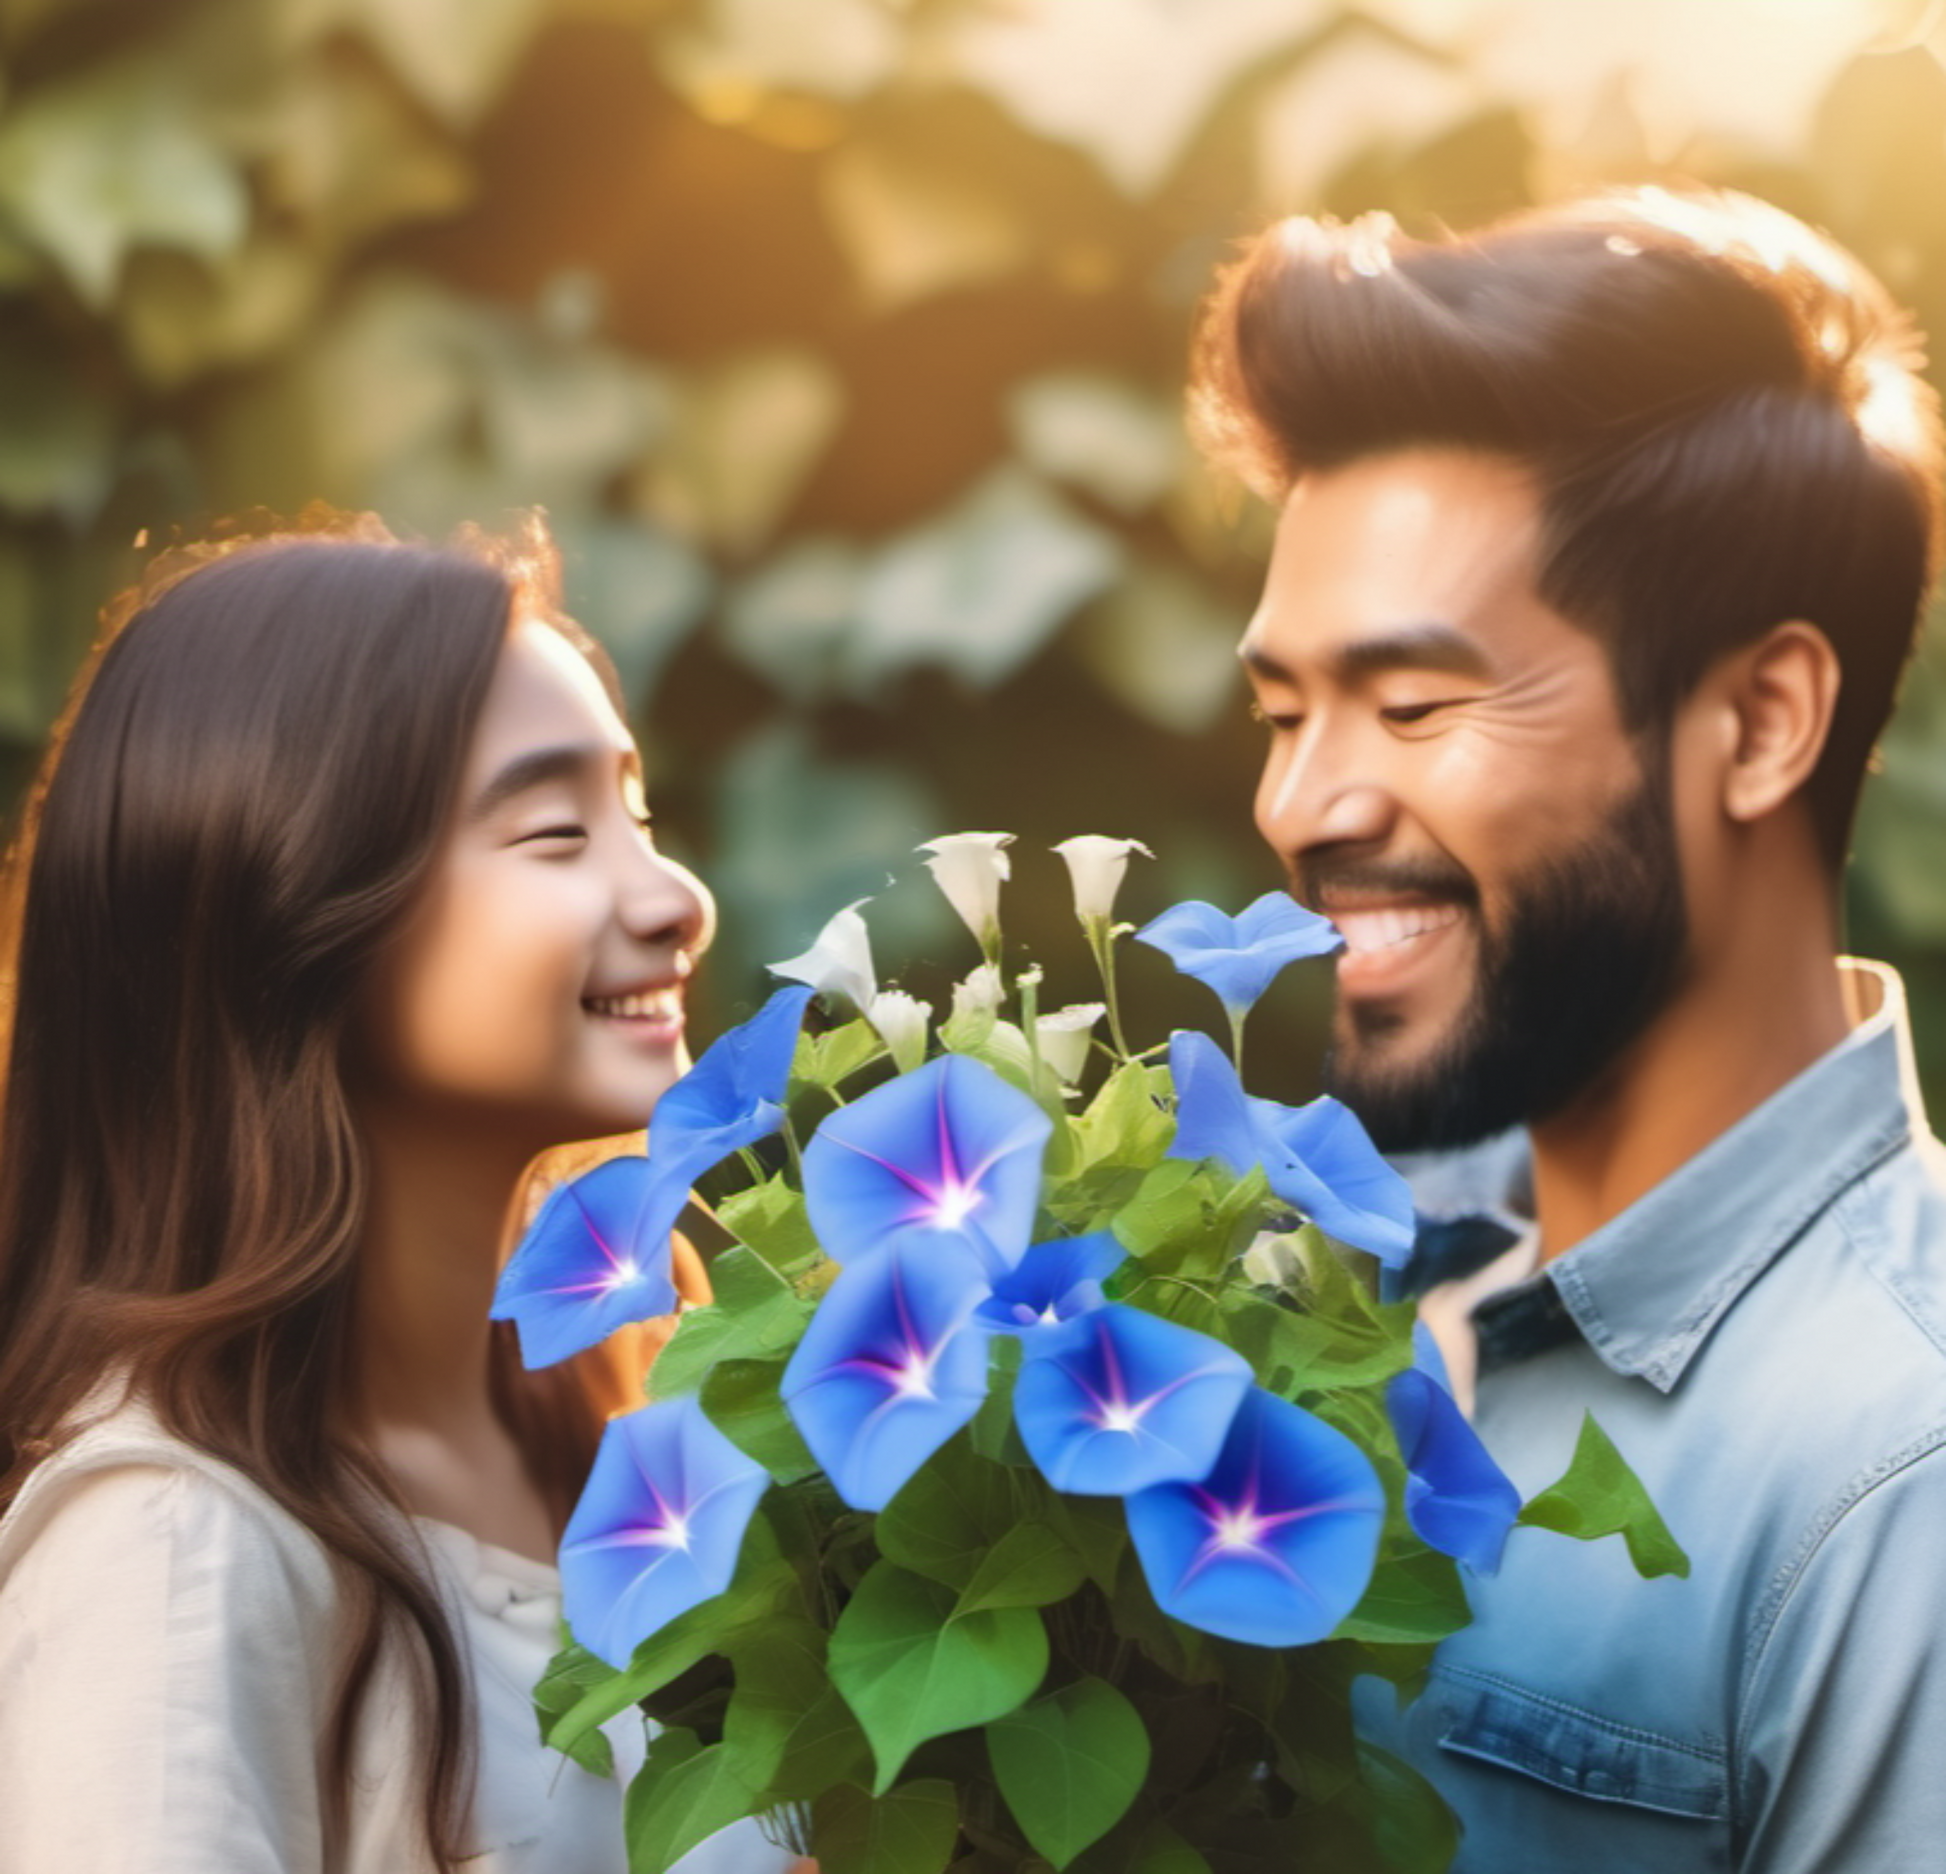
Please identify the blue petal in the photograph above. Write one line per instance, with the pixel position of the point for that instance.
(1237, 957)
(1055, 1282)
(1121, 1399)
(1319, 1157)
(1214, 1118)
(734, 1095)
(1457, 1498)
(658, 1527)
(891, 1366)
(1275, 1546)
(949, 1151)
(593, 1260)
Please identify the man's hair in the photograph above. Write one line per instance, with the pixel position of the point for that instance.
(1722, 410)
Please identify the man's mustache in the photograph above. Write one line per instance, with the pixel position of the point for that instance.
(1312, 879)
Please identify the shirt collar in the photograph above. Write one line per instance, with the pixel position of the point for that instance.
(1647, 1288)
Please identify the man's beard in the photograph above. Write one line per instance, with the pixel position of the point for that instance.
(1592, 948)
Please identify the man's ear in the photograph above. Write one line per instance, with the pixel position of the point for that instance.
(1778, 695)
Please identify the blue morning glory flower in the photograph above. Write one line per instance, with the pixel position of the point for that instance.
(597, 1256)
(1457, 1499)
(1121, 1399)
(1238, 956)
(658, 1526)
(734, 1095)
(1317, 1156)
(1274, 1547)
(949, 1151)
(1055, 1282)
(593, 1260)
(891, 1366)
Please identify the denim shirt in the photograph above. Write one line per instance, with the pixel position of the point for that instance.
(1763, 1335)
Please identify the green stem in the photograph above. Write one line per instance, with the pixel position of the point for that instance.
(1028, 986)
(1101, 940)
(792, 1147)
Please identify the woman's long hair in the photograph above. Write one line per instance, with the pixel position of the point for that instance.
(236, 814)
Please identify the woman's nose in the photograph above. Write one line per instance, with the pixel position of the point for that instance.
(668, 905)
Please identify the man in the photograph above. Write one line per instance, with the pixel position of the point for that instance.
(1603, 538)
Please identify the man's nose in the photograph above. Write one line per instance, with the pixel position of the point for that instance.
(1323, 786)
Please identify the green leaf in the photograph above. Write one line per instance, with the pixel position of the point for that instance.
(993, 1433)
(1094, 1529)
(113, 160)
(1030, 1566)
(741, 1399)
(570, 1674)
(1069, 1765)
(770, 1219)
(911, 1672)
(908, 1830)
(684, 1793)
(764, 1585)
(1412, 1828)
(786, 1708)
(824, 1061)
(1326, 1344)
(1598, 1495)
(1411, 1599)
(1192, 1220)
(1126, 1123)
(949, 1515)
(755, 1313)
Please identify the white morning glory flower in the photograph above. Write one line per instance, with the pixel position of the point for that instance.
(1096, 864)
(839, 962)
(970, 869)
(902, 1022)
(1062, 1037)
(979, 992)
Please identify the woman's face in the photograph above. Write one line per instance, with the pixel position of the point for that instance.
(537, 992)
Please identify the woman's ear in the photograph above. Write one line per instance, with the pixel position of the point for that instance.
(1779, 693)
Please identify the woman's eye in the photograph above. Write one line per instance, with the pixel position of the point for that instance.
(565, 830)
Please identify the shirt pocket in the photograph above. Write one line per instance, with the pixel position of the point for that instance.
(1579, 1753)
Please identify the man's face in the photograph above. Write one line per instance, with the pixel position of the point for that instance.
(1449, 781)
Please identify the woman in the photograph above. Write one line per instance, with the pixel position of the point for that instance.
(339, 906)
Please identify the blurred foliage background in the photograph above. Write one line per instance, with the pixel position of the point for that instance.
(843, 341)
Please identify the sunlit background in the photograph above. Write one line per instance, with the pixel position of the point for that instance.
(843, 341)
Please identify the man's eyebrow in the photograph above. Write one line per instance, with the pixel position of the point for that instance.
(1429, 646)
(567, 762)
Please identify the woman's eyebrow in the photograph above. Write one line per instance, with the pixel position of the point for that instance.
(567, 762)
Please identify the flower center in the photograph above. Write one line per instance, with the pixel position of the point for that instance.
(913, 1380)
(674, 1534)
(623, 1273)
(1239, 1527)
(954, 1204)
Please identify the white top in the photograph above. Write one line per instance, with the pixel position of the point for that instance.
(169, 1640)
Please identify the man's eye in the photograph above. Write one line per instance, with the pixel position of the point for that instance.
(1414, 712)
(1278, 720)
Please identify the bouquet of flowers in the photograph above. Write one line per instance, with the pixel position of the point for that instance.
(1044, 1469)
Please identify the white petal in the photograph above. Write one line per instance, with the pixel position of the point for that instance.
(979, 992)
(902, 1022)
(1096, 864)
(970, 868)
(840, 962)
(1062, 1037)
